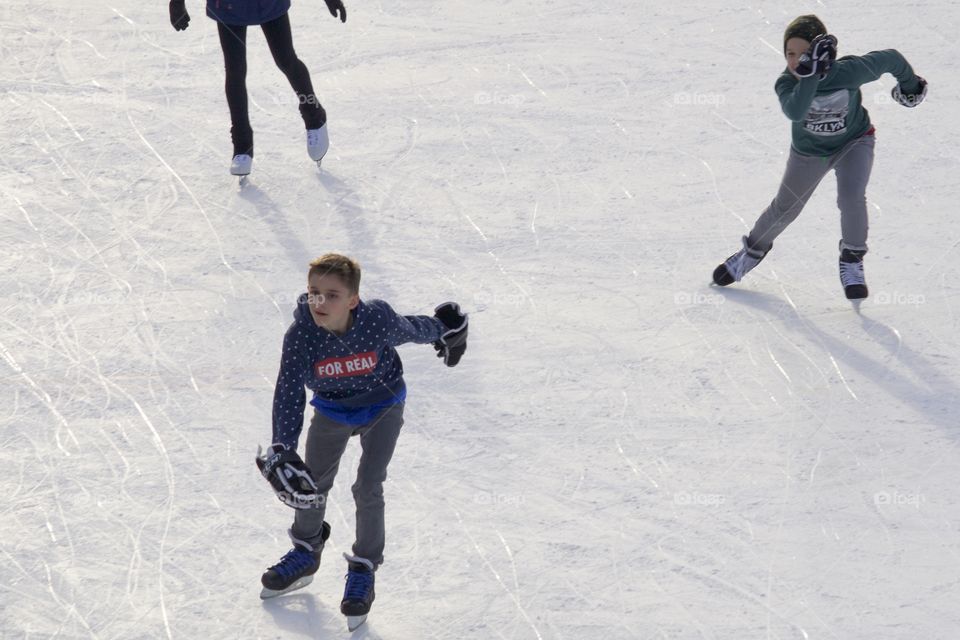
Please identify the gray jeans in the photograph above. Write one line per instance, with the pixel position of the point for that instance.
(326, 442)
(852, 165)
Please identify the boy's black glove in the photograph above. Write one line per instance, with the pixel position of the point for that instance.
(337, 5)
(818, 58)
(289, 477)
(453, 342)
(910, 99)
(179, 17)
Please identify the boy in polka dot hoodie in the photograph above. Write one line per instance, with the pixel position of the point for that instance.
(343, 349)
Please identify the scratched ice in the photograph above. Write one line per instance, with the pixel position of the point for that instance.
(624, 452)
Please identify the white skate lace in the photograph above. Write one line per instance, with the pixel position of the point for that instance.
(313, 137)
(851, 273)
(740, 264)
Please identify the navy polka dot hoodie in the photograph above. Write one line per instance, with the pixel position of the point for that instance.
(352, 376)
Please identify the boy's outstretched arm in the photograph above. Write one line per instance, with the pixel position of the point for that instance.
(447, 330)
(859, 70)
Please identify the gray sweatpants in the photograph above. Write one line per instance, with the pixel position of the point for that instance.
(852, 165)
(326, 442)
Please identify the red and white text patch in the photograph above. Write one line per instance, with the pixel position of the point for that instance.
(355, 365)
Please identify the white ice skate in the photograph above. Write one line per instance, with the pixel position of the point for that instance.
(317, 143)
(240, 166)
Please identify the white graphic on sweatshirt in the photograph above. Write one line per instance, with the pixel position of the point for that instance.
(828, 114)
(358, 364)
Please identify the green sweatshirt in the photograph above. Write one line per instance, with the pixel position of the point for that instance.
(829, 113)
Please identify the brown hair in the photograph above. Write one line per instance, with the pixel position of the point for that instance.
(805, 27)
(347, 269)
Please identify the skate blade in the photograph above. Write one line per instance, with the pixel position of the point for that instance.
(266, 594)
(354, 622)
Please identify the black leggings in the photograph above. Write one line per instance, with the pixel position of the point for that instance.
(233, 41)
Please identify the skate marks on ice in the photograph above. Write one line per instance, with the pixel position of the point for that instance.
(513, 593)
(929, 391)
(860, 382)
(354, 216)
(273, 214)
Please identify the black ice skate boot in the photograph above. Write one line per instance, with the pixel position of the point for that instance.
(738, 265)
(358, 594)
(851, 273)
(295, 569)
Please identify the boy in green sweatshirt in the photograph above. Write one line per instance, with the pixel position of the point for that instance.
(831, 130)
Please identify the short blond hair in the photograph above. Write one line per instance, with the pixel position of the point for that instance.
(344, 267)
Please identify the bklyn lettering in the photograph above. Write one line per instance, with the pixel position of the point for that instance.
(826, 128)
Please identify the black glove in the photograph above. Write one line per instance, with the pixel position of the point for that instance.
(337, 5)
(179, 17)
(289, 477)
(453, 342)
(818, 58)
(910, 99)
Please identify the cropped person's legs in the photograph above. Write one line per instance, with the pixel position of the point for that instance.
(801, 177)
(234, 46)
(280, 40)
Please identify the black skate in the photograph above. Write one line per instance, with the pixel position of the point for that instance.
(851, 273)
(738, 265)
(358, 594)
(295, 569)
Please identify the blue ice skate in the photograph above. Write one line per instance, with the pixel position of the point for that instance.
(358, 594)
(295, 569)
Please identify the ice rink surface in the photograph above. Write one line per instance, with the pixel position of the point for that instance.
(624, 452)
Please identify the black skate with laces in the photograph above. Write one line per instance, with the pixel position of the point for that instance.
(295, 569)
(851, 273)
(738, 265)
(358, 593)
